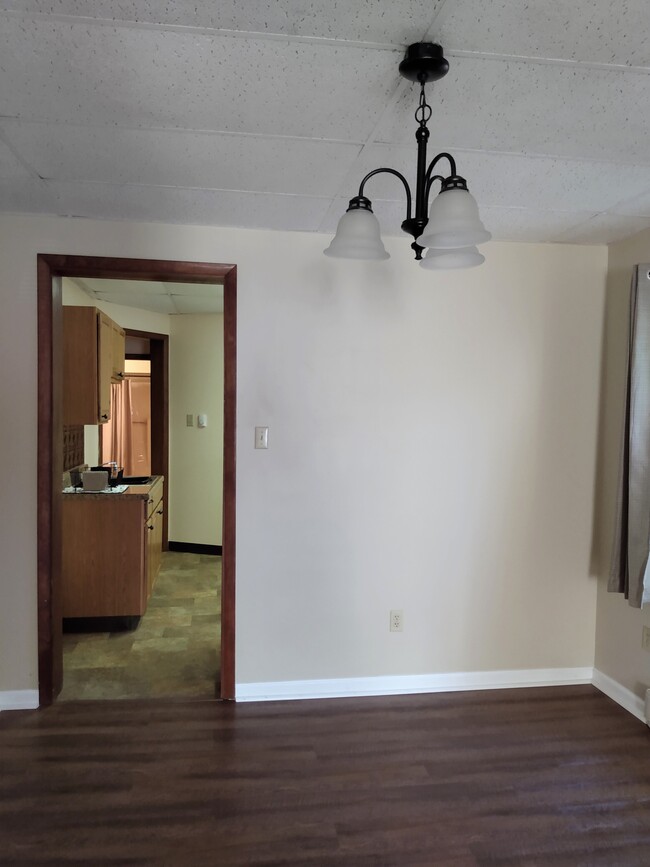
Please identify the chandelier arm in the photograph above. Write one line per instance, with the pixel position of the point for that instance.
(402, 179)
(430, 183)
(432, 164)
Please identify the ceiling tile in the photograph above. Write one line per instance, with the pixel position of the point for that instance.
(144, 301)
(69, 72)
(10, 165)
(400, 21)
(534, 108)
(605, 229)
(155, 114)
(551, 184)
(183, 159)
(157, 296)
(506, 180)
(528, 224)
(196, 290)
(177, 205)
(597, 31)
(635, 206)
(26, 195)
(140, 287)
(187, 304)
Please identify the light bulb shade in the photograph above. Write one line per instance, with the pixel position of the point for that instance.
(453, 222)
(357, 237)
(462, 257)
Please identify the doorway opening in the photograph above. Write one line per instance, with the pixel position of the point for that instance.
(126, 441)
(51, 270)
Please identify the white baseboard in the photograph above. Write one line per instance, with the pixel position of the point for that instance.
(28, 699)
(286, 690)
(19, 699)
(620, 694)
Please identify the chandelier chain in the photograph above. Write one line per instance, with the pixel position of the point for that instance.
(423, 111)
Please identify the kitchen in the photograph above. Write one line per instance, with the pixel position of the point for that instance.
(130, 629)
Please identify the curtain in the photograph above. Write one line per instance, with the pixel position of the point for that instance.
(117, 443)
(630, 570)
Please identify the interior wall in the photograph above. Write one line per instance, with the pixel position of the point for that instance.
(619, 654)
(196, 454)
(432, 448)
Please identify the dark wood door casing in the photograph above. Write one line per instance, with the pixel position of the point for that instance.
(50, 269)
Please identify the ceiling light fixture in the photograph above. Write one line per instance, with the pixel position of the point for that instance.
(453, 228)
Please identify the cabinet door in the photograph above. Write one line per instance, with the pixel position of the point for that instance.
(118, 352)
(154, 545)
(80, 398)
(103, 556)
(105, 365)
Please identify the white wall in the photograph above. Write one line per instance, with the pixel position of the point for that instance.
(432, 448)
(196, 454)
(618, 634)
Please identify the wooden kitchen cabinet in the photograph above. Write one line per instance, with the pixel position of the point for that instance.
(110, 556)
(118, 347)
(154, 531)
(104, 366)
(93, 355)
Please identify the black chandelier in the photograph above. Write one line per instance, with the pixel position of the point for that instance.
(452, 228)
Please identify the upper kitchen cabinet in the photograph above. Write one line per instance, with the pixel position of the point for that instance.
(93, 355)
(118, 350)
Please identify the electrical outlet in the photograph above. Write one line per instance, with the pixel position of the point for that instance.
(396, 620)
(645, 638)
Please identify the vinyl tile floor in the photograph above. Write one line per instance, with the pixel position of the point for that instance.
(174, 651)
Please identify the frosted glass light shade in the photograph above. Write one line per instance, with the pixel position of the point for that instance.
(357, 237)
(453, 222)
(462, 257)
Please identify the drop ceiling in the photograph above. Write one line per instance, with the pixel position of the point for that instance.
(155, 295)
(268, 114)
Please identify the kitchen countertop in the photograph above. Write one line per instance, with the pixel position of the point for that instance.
(119, 490)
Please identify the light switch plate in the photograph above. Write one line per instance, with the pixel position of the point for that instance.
(261, 438)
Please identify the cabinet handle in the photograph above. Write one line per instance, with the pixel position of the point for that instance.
(149, 526)
(105, 416)
(150, 500)
(159, 512)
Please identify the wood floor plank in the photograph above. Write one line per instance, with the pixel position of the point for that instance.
(551, 776)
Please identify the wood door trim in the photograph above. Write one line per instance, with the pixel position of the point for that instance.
(50, 268)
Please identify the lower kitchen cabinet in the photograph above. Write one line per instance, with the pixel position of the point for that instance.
(112, 546)
(154, 530)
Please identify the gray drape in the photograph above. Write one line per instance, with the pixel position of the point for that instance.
(630, 571)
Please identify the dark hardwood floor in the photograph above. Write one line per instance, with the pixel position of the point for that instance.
(555, 776)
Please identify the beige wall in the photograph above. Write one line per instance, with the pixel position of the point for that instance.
(618, 632)
(196, 454)
(432, 448)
